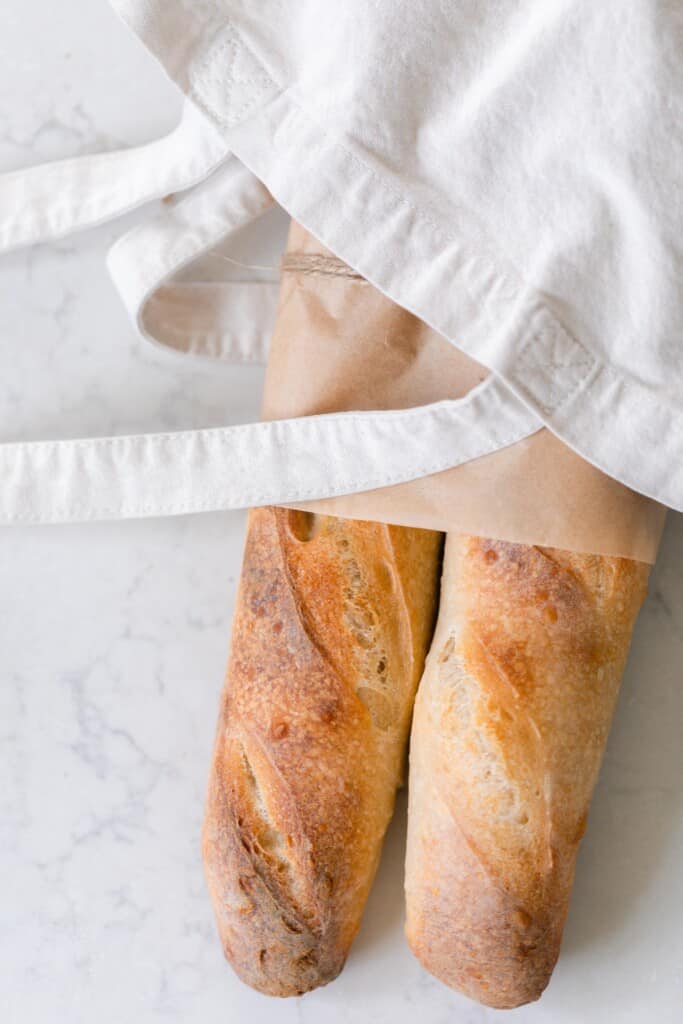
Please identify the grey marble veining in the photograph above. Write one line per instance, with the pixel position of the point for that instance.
(114, 639)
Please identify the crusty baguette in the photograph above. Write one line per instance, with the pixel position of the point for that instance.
(331, 627)
(510, 724)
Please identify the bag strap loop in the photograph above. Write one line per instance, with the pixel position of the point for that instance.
(279, 462)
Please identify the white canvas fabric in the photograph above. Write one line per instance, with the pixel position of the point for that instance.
(508, 171)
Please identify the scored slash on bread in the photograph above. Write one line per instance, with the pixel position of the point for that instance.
(331, 627)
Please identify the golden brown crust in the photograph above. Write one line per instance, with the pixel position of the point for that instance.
(511, 720)
(332, 622)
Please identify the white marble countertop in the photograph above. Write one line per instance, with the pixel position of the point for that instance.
(114, 639)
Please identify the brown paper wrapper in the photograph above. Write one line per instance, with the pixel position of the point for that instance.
(340, 345)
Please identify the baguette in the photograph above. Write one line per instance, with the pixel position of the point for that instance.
(511, 720)
(331, 628)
